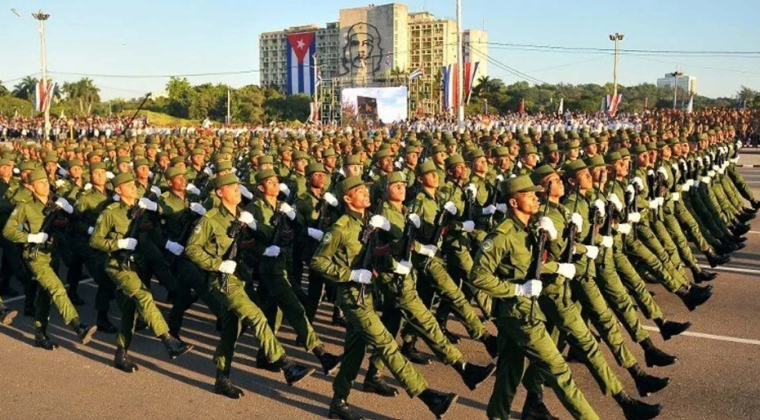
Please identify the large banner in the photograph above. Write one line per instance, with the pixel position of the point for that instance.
(386, 104)
(300, 48)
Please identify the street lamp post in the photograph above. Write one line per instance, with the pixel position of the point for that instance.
(460, 62)
(616, 38)
(42, 17)
(675, 75)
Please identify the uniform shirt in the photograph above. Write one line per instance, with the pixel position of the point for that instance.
(174, 212)
(88, 207)
(26, 218)
(113, 224)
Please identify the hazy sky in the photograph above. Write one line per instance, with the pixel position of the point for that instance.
(170, 37)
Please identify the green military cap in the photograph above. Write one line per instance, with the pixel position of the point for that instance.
(603, 138)
(122, 178)
(226, 179)
(596, 161)
(660, 144)
(638, 149)
(265, 174)
(702, 136)
(454, 160)
(410, 149)
(197, 151)
(357, 149)
(51, 157)
(528, 149)
(315, 167)
(352, 160)
(123, 159)
(613, 157)
(224, 165)
(27, 165)
(475, 154)
(6, 161)
(519, 184)
(551, 147)
(588, 141)
(173, 172)
(176, 160)
(37, 173)
(438, 148)
(161, 154)
(265, 159)
(512, 142)
(395, 177)
(500, 151)
(97, 165)
(542, 172)
(298, 155)
(285, 147)
(73, 163)
(328, 152)
(574, 167)
(573, 144)
(426, 167)
(651, 146)
(141, 162)
(382, 154)
(624, 152)
(349, 184)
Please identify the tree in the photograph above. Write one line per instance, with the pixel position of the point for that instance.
(84, 92)
(25, 88)
(3, 89)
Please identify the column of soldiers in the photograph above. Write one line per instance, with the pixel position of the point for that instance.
(539, 233)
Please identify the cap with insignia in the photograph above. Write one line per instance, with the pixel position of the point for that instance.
(395, 177)
(265, 174)
(122, 178)
(382, 154)
(328, 152)
(542, 172)
(573, 168)
(224, 165)
(638, 149)
(501, 151)
(173, 172)
(97, 165)
(426, 167)
(314, 168)
(72, 163)
(352, 160)
(596, 161)
(226, 179)
(27, 165)
(528, 149)
(141, 162)
(613, 157)
(519, 184)
(454, 160)
(265, 159)
(349, 184)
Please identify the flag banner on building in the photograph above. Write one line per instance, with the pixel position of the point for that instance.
(43, 95)
(561, 109)
(612, 102)
(300, 48)
(690, 107)
(450, 75)
(416, 74)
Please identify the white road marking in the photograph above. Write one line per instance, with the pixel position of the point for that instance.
(22, 297)
(733, 269)
(711, 336)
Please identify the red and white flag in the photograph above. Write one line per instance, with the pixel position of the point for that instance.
(612, 103)
(43, 94)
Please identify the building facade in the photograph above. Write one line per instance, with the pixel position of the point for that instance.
(686, 83)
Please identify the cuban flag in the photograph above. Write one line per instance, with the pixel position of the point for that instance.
(612, 102)
(450, 81)
(300, 49)
(470, 71)
(43, 95)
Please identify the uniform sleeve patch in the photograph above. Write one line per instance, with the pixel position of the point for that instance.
(197, 229)
(327, 238)
(487, 245)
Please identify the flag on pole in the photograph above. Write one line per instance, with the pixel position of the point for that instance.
(416, 74)
(561, 109)
(690, 107)
(42, 95)
(612, 103)
(300, 49)
(388, 60)
(521, 108)
(314, 111)
(470, 71)
(451, 88)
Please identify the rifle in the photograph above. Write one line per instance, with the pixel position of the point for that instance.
(572, 233)
(495, 196)
(368, 237)
(137, 213)
(633, 207)
(409, 230)
(232, 252)
(540, 251)
(50, 212)
(440, 223)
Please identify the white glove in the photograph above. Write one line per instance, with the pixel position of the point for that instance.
(116, 197)
(547, 226)
(531, 288)
(451, 208)
(695, 183)
(315, 234)
(674, 197)
(632, 193)
(607, 241)
(721, 170)
(653, 204)
(127, 243)
(403, 268)
(472, 189)
(147, 204)
(208, 171)
(361, 276)
(739, 144)
(735, 160)
(415, 219)
(64, 205)
(706, 179)
(272, 251)
(110, 175)
(690, 182)
(379, 222)
(489, 210)
(155, 190)
(288, 210)
(468, 226)
(90, 230)
(398, 164)
(284, 189)
(634, 217)
(331, 200)
(192, 189)
(624, 228)
(592, 251)
(87, 186)
(661, 170)
(37, 238)
(600, 207)
(59, 183)
(686, 186)
(613, 198)
(639, 182)
(62, 172)
(500, 177)
(501, 207)
(577, 220)
(227, 267)
(715, 168)
(198, 209)
(428, 250)
(247, 219)
(711, 174)
(566, 270)
(174, 247)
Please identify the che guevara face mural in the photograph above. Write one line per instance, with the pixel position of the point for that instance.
(362, 49)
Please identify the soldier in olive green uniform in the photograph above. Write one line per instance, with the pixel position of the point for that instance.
(24, 227)
(11, 260)
(111, 235)
(339, 258)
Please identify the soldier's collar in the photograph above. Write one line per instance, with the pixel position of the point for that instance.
(354, 214)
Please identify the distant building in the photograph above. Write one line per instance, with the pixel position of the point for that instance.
(685, 82)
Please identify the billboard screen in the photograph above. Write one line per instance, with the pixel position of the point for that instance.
(379, 104)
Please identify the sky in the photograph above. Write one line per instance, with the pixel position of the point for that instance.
(172, 37)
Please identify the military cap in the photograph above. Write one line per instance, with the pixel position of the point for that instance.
(519, 184)
(624, 152)
(574, 167)
(51, 157)
(37, 173)
(454, 160)
(141, 162)
(500, 151)
(613, 157)
(224, 165)
(97, 165)
(299, 155)
(72, 163)
(573, 144)
(596, 161)
(551, 147)
(349, 184)
(315, 167)
(122, 178)
(27, 165)
(198, 151)
(352, 160)
(528, 149)
(638, 149)
(382, 154)
(438, 148)
(588, 141)
(265, 159)
(265, 174)
(328, 152)
(475, 154)
(226, 179)
(542, 172)
(651, 146)
(7, 161)
(177, 160)
(426, 167)
(173, 172)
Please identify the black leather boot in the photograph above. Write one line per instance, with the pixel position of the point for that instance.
(339, 409)
(472, 374)
(701, 276)
(329, 361)
(410, 352)
(691, 297)
(122, 362)
(7, 315)
(174, 347)
(263, 363)
(84, 332)
(224, 386)
(715, 260)
(535, 409)
(42, 341)
(491, 343)
(293, 372)
(375, 383)
(655, 356)
(637, 410)
(438, 402)
(670, 329)
(647, 384)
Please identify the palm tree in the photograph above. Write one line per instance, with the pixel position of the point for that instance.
(3, 89)
(84, 91)
(396, 74)
(25, 88)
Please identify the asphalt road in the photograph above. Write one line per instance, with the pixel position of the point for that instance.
(717, 375)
